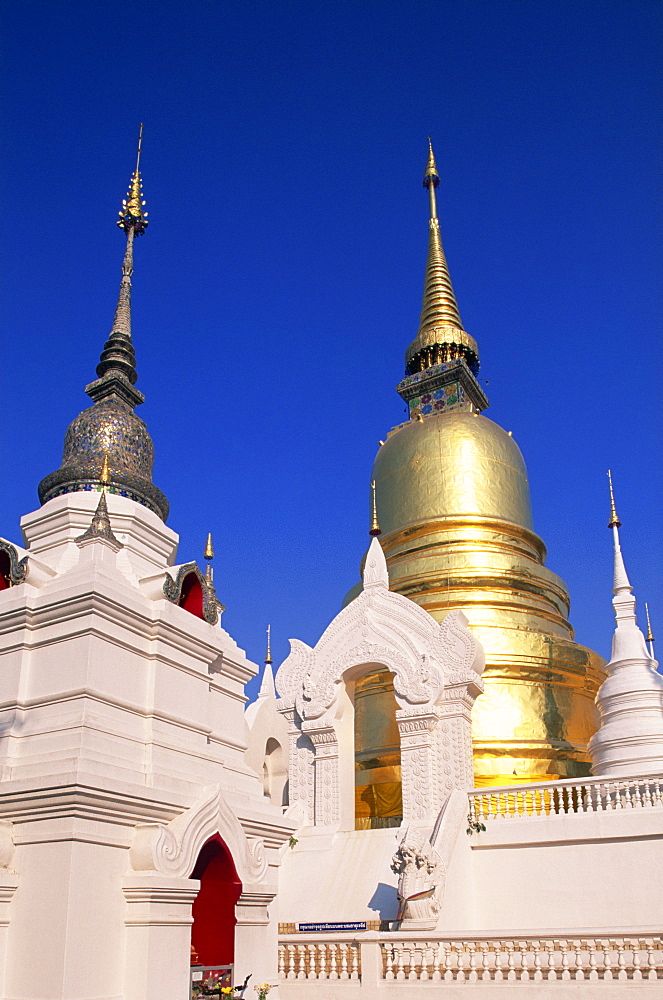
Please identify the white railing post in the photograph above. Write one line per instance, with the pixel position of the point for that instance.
(371, 960)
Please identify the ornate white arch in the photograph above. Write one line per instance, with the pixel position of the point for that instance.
(173, 849)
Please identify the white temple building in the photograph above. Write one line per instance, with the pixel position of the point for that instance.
(329, 837)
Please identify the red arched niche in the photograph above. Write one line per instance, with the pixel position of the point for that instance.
(192, 595)
(5, 570)
(213, 930)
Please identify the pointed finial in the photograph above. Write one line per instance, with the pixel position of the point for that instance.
(268, 655)
(209, 555)
(614, 521)
(431, 175)
(100, 526)
(105, 478)
(649, 638)
(132, 216)
(375, 527)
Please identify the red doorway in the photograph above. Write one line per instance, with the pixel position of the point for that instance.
(213, 930)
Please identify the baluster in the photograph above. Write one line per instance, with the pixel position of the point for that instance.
(460, 960)
(291, 951)
(354, 970)
(301, 955)
(323, 970)
(510, 962)
(651, 958)
(400, 958)
(438, 962)
(621, 960)
(538, 975)
(635, 948)
(564, 945)
(426, 961)
(646, 795)
(448, 953)
(579, 974)
(607, 959)
(333, 974)
(311, 962)
(550, 948)
(499, 975)
(344, 960)
(411, 957)
(388, 961)
(281, 961)
(524, 965)
(472, 948)
(593, 974)
(637, 797)
(598, 797)
(658, 792)
(485, 960)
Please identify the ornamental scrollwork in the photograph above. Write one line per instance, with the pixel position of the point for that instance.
(18, 568)
(173, 590)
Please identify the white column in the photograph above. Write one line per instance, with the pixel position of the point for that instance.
(158, 936)
(416, 731)
(325, 742)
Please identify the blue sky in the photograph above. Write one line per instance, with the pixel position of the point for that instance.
(280, 280)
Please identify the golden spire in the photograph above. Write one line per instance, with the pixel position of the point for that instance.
(268, 655)
(614, 521)
(105, 478)
(209, 555)
(375, 527)
(132, 216)
(441, 336)
(649, 638)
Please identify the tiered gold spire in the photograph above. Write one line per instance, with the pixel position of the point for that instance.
(209, 555)
(375, 527)
(441, 336)
(649, 638)
(268, 655)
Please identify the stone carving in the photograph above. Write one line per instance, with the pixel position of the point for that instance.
(173, 849)
(420, 874)
(18, 568)
(172, 589)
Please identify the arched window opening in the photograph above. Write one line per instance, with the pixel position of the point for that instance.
(378, 786)
(213, 928)
(5, 570)
(275, 773)
(191, 598)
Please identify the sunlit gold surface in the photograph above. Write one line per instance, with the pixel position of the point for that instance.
(378, 789)
(453, 503)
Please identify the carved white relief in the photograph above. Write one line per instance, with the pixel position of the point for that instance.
(421, 876)
(173, 849)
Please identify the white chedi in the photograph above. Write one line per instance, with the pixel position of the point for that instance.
(630, 701)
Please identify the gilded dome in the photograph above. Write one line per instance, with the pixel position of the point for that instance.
(451, 464)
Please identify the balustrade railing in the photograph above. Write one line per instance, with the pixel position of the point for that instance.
(517, 959)
(566, 797)
(338, 960)
(524, 959)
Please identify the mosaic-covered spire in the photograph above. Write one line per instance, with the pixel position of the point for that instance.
(116, 370)
(107, 445)
(441, 336)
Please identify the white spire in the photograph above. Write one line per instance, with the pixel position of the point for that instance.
(375, 567)
(630, 701)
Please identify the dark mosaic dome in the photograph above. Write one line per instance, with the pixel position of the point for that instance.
(110, 429)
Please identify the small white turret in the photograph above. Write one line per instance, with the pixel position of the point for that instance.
(630, 701)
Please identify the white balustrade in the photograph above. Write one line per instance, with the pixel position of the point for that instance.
(566, 797)
(524, 960)
(519, 960)
(318, 959)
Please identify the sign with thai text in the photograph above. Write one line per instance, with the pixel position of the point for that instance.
(346, 925)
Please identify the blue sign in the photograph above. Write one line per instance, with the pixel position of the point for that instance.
(348, 925)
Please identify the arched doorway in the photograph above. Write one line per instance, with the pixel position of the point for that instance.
(377, 763)
(213, 929)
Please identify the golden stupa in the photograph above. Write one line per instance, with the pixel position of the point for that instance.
(453, 504)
